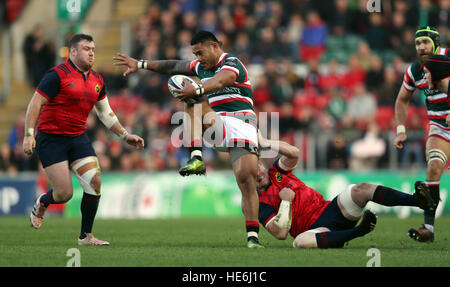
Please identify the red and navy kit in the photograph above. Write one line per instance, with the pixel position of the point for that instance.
(307, 206)
(71, 96)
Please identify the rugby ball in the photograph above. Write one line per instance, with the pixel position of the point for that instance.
(177, 82)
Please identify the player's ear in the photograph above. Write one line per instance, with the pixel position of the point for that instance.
(72, 51)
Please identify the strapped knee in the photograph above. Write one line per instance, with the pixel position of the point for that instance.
(86, 170)
(436, 154)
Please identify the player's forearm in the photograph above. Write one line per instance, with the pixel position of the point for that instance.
(401, 106)
(109, 118)
(401, 111)
(276, 231)
(220, 80)
(118, 129)
(169, 67)
(284, 148)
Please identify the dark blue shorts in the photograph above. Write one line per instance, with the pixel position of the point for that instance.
(52, 149)
(333, 219)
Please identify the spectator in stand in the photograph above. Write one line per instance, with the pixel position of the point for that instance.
(312, 79)
(295, 33)
(208, 21)
(333, 76)
(266, 47)
(366, 152)
(39, 55)
(397, 29)
(377, 35)
(387, 90)
(365, 56)
(337, 105)
(425, 9)
(153, 91)
(408, 10)
(282, 90)
(289, 124)
(287, 70)
(342, 18)
(406, 48)
(362, 105)
(314, 37)
(337, 153)
(355, 75)
(374, 76)
(261, 92)
(242, 45)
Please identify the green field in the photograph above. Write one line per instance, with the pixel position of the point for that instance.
(208, 242)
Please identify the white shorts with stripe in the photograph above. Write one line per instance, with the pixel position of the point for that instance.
(233, 132)
(439, 131)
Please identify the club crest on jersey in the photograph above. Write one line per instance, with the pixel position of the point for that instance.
(279, 177)
(97, 89)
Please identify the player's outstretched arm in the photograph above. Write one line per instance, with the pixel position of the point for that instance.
(290, 155)
(401, 115)
(110, 120)
(33, 111)
(170, 67)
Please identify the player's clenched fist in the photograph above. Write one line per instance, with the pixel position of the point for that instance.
(399, 140)
(29, 143)
(135, 141)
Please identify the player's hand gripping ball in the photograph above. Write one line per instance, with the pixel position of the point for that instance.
(176, 82)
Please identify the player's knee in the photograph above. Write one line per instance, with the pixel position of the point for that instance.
(305, 240)
(246, 178)
(361, 190)
(95, 183)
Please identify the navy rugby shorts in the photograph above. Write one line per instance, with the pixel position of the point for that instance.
(52, 148)
(333, 219)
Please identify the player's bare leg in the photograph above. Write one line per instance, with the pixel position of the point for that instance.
(437, 151)
(195, 113)
(61, 192)
(245, 170)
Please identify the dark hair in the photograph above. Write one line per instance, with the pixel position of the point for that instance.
(203, 36)
(78, 38)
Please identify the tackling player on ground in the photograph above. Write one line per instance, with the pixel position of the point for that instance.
(288, 206)
(226, 83)
(437, 151)
(62, 102)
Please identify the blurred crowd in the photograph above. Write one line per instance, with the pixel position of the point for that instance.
(329, 68)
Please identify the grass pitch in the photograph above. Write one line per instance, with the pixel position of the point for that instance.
(208, 242)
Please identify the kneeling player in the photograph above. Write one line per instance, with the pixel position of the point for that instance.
(287, 205)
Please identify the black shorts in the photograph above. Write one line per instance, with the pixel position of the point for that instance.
(333, 219)
(52, 149)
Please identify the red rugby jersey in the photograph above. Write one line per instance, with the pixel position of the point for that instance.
(71, 96)
(307, 206)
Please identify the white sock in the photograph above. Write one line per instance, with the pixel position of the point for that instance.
(196, 153)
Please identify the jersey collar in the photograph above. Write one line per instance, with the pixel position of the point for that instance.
(221, 58)
(78, 70)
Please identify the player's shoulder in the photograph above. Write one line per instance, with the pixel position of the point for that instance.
(414, 70)
(63, 69)
(97, 75)
(231, 58)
